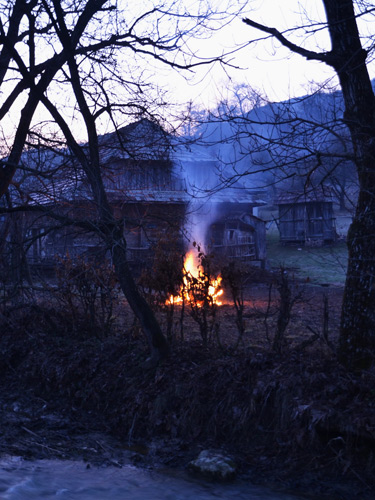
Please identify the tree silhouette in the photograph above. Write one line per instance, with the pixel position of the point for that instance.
(348, 59)
(73, 58)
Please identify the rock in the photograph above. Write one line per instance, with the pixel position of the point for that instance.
(213, 465)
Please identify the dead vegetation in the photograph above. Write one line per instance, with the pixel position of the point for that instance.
(288, 413)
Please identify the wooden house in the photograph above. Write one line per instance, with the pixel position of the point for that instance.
(147, 179)
(306, 217)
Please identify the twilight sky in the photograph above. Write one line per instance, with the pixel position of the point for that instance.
(265, 65)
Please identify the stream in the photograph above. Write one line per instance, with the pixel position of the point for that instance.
(43, 479)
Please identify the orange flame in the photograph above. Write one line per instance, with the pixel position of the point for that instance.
(193, 272)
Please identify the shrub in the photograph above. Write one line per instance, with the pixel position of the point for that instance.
(88, 290)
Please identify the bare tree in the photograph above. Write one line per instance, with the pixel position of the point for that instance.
(348, 59)
(75, 56)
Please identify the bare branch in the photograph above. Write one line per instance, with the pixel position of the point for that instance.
(325, 57)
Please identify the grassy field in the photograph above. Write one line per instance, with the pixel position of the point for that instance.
(320, 265)
(326, 264)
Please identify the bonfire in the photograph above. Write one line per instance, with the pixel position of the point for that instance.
(197, 285)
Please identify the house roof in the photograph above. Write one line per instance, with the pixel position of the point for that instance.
(150, 196)
(312, 195)
(142, 140)
(53, 176)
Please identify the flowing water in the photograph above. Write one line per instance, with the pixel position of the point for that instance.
(22, 480)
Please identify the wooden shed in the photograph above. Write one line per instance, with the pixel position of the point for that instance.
(239, 237)
(306, 217)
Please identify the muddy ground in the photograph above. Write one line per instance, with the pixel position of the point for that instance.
(295, 419)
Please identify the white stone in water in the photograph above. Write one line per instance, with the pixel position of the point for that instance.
(213, 465)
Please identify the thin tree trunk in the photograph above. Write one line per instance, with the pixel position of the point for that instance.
(109, 229)
(111, 232)
(157, 342)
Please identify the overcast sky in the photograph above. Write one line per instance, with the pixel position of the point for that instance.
(265, 65)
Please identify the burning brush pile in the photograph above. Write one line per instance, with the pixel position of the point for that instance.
(192, 285)
(201, 290)
(199, 287)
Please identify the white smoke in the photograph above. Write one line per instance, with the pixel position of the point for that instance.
(199, 170)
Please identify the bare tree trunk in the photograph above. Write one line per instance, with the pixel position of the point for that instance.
(357, 338)
(348, 59)
(157, 342)
(109, 229)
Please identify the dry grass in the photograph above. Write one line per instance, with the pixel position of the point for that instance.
(276, 412)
